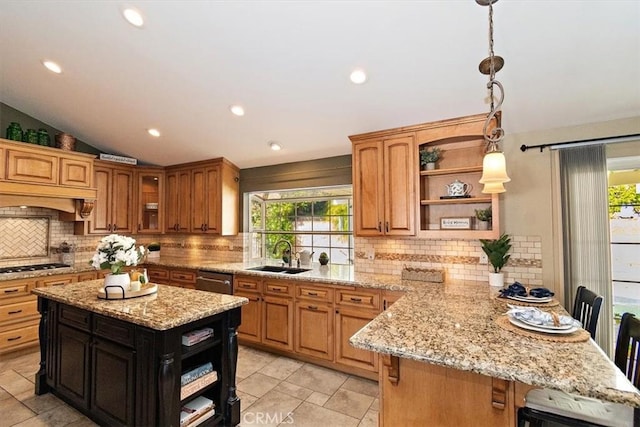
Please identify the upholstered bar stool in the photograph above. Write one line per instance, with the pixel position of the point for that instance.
(572, 410)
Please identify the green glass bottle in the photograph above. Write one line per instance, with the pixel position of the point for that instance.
(14, 132)
(43, 137)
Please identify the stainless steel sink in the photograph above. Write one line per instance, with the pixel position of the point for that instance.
(276, 269)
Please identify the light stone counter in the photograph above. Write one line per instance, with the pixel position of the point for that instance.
(169, 307)
(453, 326)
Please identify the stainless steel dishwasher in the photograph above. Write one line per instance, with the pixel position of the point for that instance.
(213, 281)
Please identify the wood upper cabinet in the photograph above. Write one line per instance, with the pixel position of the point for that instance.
(203, 197)
(113, 209)
(178, 201)
(384, 185)
(29, 164)
(205, 205)
(150, 200)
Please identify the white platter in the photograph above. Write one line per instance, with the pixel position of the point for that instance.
(551, 327)
(531, 299)
(538, 328)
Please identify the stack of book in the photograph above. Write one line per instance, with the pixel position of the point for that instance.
(194, 337)
(196, 411)
(196, 379)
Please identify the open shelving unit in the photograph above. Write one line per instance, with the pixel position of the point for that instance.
(462, 148)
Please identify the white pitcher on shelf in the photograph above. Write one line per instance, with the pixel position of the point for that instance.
(458, 188)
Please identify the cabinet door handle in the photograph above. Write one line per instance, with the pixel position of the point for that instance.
(10, 291)
(115, 227)
(380, 226)
(15, 312)
(244, 285)
(386, 226)
(206, 227)
(14, 338)
(109, 227)
(175, 227)
(354, 299)
(312, 294)
(276, 289)
(312, 307)
(384, 305)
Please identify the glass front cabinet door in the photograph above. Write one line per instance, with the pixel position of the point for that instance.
(150, 200)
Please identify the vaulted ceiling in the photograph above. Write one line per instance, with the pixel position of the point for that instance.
(288, 65)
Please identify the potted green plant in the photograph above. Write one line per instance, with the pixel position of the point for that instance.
(484, 218)
(428, 158)
(496, 251)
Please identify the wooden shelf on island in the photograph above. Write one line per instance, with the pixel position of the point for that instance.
(451, 171)
(461, 200)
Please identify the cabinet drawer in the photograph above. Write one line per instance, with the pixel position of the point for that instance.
(75, 317)
(24, 335)
(315, 293)
(358, 298)
(114, 330)
(90, 275)
(185, 276)
(278, 288)
(20, 310)
(16, 288)
(247, 285)
(62, 279)
(158, 275)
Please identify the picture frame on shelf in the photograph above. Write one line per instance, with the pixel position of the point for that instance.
(456, 223)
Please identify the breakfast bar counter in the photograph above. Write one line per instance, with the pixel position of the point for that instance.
(121, 361)
(450, 332)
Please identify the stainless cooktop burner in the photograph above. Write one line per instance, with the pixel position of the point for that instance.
(28, 268)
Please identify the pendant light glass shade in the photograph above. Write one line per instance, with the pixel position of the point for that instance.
(494, 168)
(493, 188)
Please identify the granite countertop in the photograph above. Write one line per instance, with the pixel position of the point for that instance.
(452, 325)
(170, 307)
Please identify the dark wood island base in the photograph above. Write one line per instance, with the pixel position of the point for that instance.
(120, 373)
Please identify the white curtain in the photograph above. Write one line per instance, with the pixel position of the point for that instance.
(585, 224)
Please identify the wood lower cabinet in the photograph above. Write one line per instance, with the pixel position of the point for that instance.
(277, 322)
(18, 315)
(354, 309)
(73, 356)
(250, 328)
(415, 393)
(157, 274)
(58, 280)
(314, 321)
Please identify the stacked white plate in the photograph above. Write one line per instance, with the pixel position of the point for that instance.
(534, 319)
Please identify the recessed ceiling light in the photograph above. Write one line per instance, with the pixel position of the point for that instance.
(358, 76)
(52, 66)
(154, 132)
(134, 17)
(237, 110)
(275, 146)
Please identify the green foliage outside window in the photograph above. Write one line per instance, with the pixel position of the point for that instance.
(621, 195)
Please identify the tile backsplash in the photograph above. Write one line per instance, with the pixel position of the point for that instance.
(460, 259)
(24, 237)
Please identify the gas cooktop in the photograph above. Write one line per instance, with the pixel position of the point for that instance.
(28, 268)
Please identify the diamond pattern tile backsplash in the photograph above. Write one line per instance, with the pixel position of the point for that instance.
(25, 237)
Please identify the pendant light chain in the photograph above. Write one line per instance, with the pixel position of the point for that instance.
(492, 67)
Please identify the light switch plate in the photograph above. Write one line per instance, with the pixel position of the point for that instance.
(483, 258)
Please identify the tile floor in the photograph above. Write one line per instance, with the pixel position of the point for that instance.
(274, 391)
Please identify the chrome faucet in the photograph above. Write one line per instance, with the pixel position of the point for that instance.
(275, 247)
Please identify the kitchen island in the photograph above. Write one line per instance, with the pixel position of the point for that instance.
(445, 357)
(120, 361)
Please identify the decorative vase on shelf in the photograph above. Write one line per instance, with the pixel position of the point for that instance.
(496, 279)
(483, 225)
(430, 166)
(122, 279)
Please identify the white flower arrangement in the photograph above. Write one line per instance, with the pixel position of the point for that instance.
(115, 251)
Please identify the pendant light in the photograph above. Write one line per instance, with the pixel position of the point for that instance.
(494, 165)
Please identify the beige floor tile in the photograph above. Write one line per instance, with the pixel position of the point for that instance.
(271, 409)
(310, 415)
(370, 419)
(281, 368)
(293, 390)
(319, 379)
(19, 359)
(14, 412)
(42, 403)
(4, 394)
(349, 403)
(82, 422)
(362, 386)
(246, 400)
(15, 383)
(375, 406)
(59, 416)
(251, 361)
(257, 384)
(318, 398)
